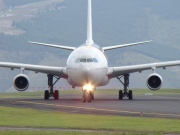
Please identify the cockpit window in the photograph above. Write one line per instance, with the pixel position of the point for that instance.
(83, 60)
(95, 60)
(77, 60)
(88, 60)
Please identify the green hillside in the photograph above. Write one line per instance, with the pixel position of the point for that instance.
(114, 22)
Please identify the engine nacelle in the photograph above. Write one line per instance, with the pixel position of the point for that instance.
(154, 81)
(21, 82)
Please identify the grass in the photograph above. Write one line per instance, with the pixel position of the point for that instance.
(120, 125)
(39, 94)
(63, 133)
(18, 117)
(144, 91)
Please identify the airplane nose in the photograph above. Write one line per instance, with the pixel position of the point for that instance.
(86, 70)
(86, 73)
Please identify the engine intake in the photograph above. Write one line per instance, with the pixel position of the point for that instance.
(21, 82)
(154, 81)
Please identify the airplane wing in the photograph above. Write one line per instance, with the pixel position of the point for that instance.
(117, 71)
(123, 45)
(58, 71)
(53, 45)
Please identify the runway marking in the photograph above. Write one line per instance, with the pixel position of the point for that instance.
(101, 109)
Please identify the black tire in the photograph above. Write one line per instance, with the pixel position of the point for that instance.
(84, 97)
(56, 95)
(130, 95)
(92, 95)
(89, 97)
(120, 94)
(46, 94)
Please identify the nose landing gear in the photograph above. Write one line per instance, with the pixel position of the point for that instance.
(87, 96)
(126, 92)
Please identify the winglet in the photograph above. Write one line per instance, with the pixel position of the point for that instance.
(89, 40)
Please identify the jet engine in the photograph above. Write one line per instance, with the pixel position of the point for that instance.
(21, 82)
(154, 81)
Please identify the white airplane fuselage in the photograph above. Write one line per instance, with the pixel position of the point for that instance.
(87, 65)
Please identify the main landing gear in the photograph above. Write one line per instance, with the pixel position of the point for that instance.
(51, 92)
(126, 92)
(87, 96)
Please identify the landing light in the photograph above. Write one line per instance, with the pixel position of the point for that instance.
(88, 87)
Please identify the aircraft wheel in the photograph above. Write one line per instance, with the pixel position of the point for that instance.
(56, 95)
(89, 97)
(120, 94)
(130, 95)
(46, 94)
(84, 97)
(92, 94)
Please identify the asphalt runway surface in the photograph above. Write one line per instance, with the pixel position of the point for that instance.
(166, 106)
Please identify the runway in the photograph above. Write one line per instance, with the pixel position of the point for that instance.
(166, 106)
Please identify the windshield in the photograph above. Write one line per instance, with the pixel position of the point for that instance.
(86, 60)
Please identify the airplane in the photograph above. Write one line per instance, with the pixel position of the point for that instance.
(87, 67)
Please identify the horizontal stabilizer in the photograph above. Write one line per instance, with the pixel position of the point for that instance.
(124, 45)
(53, 45)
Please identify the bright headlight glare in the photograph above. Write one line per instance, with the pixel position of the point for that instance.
(88, 87)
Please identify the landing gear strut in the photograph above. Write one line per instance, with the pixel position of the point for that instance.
(87, 96)
(51, 92)
(126, 92)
